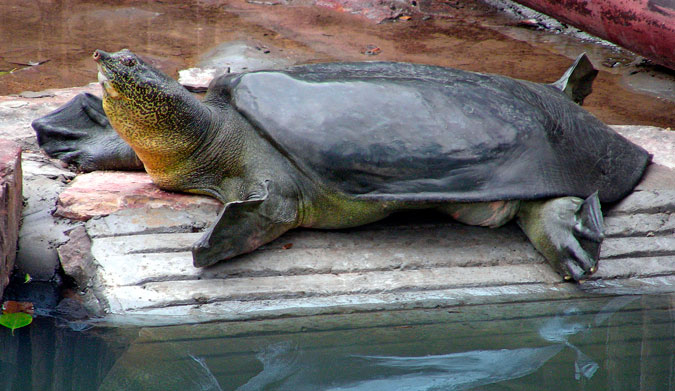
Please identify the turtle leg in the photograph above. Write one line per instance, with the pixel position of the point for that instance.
(243, 226)
(567, 231)
(486, 214)
(79, 133)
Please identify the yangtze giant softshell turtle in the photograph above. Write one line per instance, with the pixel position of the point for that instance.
(344, 144)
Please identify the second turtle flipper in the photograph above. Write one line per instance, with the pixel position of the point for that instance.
(577, 82)
(79, 133)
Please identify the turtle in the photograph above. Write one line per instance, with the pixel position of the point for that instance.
(338, 145)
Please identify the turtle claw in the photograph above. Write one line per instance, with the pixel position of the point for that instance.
(567, 231)
(574, 272)
(79, 133)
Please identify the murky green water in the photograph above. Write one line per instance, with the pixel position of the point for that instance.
(602, 343)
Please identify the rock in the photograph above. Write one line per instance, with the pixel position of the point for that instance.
(76, 258)
(656, 201)
(79, 264)
(104, 192)
(39, 94)
(241, 56)
(11, 203)
(234, 57)
(379, 11)
(154, 220)
(197, 79)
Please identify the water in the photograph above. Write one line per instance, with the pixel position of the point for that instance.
(600, 343)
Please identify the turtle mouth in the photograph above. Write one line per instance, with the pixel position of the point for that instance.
(108, 88)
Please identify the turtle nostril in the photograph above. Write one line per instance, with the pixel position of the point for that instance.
(96, 55)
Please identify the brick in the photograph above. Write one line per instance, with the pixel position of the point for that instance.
(11, 203)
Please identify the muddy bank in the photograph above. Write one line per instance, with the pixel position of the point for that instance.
(464, 34)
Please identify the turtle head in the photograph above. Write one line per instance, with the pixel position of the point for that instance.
(153, 113)
(126, 77)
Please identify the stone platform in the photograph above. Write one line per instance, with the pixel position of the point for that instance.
(132, 255)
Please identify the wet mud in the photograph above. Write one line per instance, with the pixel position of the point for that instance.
(468, 34)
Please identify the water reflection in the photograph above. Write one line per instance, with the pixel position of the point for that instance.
(613, 343)
(142, 368)
(280, 361)
(455, 371)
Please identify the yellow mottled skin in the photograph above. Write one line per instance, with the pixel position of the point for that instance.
(152, 130)
(163, 153)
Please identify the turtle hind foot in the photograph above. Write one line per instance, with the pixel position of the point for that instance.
(567, 231)
(79, 133)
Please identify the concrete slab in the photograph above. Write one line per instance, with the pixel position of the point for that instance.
(657, 141)
(141, 265)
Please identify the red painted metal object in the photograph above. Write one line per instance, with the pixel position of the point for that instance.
(646, 27)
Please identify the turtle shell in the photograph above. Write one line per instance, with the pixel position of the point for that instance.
(394, 131)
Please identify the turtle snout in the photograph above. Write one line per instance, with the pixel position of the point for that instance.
(100, 55)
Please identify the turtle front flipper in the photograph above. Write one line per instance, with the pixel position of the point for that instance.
(567, 231)
(243, 226)
(79, 133)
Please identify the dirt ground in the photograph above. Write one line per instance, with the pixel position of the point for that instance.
(466, 34)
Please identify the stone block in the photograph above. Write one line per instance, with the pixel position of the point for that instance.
(11, 203)
(104, 192)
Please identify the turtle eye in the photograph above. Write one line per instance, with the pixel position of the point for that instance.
(128, 61)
